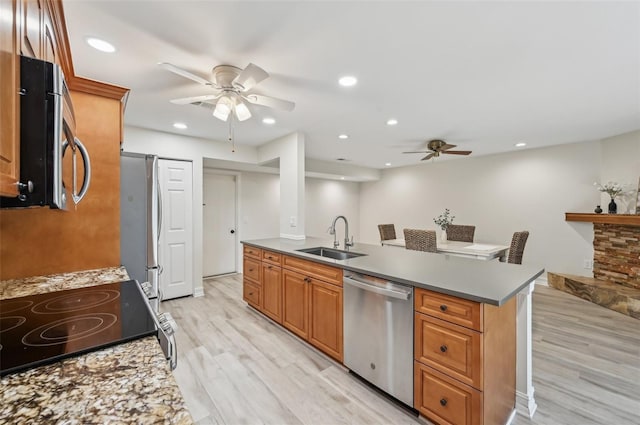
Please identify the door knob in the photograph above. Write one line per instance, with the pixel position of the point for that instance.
(232, 231)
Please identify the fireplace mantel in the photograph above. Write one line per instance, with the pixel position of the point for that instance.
(624, 219)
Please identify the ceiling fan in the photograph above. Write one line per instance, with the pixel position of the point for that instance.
(231, 86)
(436, 147)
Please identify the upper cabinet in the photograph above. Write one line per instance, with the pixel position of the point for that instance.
(30, 26)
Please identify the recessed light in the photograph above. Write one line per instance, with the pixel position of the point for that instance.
(348, 81)
(387, 164)
(392, 121)
(520, 145)
(269, 121)
(343, 136)
(101, 45)
(342, 178)
(180, 125)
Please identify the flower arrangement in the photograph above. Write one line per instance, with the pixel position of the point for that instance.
(612, 189)
(444, 220)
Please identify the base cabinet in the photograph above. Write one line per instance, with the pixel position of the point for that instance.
(465, 360)
(303, 296)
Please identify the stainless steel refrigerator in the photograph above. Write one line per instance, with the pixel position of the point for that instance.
(140, 220)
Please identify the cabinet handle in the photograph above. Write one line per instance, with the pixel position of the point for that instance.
(443, 348)
(270, 267)
(270, 257)
(250, 293)
(308, 280)
(443, 401)
(443, 307)
(250, 270)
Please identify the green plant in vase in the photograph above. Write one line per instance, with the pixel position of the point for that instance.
(444, 220)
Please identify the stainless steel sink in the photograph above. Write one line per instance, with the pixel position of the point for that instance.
(336, 254)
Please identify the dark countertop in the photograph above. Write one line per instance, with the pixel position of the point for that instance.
(490, 282)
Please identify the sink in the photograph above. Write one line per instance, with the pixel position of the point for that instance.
(336, 254)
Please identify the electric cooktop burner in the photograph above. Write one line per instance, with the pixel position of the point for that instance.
(45, 328)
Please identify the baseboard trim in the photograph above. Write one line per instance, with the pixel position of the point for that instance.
(526, 404)
(511, 416)
(198, 292)
(294, 237)
(542, 281)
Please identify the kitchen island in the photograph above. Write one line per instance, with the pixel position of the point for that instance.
(465, 319)
(129, 383)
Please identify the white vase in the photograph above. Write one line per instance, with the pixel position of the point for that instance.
(443, 236)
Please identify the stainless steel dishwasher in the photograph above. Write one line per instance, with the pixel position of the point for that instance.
(378, 333)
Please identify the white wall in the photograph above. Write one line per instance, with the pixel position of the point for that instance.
(621, 164)
(326, 199)
(499, 194)
(259, 205)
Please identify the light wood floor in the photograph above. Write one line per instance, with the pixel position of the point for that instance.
(237, 367)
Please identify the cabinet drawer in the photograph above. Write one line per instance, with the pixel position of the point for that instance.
(251, 293)
(251, 269)
(312, 269)
(451, 349)
(444, 400)
(252, 251)
(272, 257)
(452, 309)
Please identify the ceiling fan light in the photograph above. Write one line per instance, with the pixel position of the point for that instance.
(223, 108)
(242, 112)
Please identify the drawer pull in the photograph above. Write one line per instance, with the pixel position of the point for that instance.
(270, 267)
(443, 348)
(443, 401)
(250, 293)
(270, 257)
(250, 270)
(443, 307)
(307, 279)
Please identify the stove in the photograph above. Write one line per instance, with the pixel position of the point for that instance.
(45, 328)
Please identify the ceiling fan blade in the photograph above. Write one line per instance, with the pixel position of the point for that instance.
(194, 99)
(249, 77)
(428, 156)
(184, 73)
(416, 152)
(457, 152)
(447, 147)
(270, 102)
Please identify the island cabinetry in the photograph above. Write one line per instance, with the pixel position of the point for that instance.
(465, 355)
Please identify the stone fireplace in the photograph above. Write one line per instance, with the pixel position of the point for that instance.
(616, 264)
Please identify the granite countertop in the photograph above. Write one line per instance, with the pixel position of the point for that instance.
(490, 282)
(128, 383)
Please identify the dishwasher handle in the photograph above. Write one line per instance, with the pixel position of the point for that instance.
(367, 286)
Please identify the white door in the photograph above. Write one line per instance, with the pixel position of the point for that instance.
(176, 228)
(219, 225)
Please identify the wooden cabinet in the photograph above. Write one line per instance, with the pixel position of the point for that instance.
(465, 359)
(32, 13)
(49, 44)
(295, 316)
(272, 291)
(252, 282)
(325, 318)
(9, 98)
(303, 296)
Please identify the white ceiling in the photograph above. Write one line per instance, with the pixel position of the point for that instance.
(482, 75)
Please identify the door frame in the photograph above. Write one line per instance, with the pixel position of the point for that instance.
(238, 238)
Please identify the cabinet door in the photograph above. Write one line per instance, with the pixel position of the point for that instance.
(49, 46)
(272, 291)
(31, 25)
(295, 314)
(9, 102)
(325, 317)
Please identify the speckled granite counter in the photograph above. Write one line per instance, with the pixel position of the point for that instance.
(125, 384)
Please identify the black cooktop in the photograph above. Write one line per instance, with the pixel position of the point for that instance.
(45, 328)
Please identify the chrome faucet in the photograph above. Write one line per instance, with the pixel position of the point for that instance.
(332, 231)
